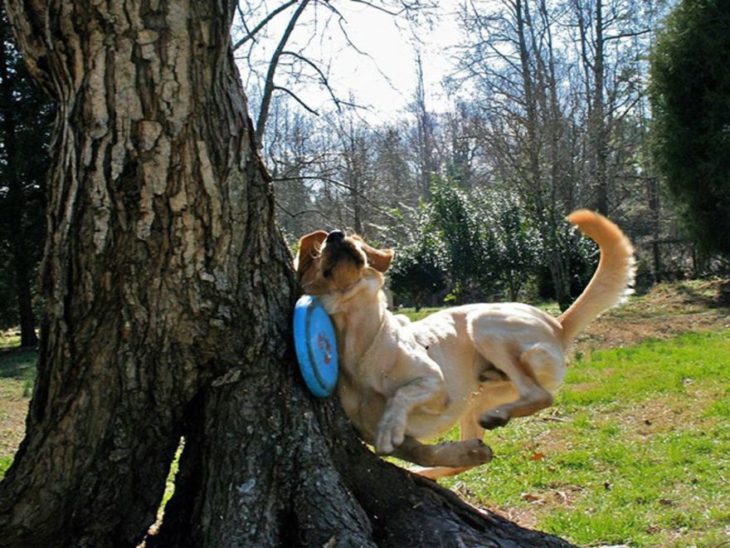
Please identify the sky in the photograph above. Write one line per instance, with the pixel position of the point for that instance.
(384, 79)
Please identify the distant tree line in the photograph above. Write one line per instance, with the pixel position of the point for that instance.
(548, 110)
(25, 127)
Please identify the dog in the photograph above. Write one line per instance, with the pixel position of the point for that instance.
(478, 364)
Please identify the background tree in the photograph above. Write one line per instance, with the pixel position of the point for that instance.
(25, 116)
(518, 246)
(417, 275)
(169, 291)
(513, 62)
(419, 269)
(469, 248)
(691, 104)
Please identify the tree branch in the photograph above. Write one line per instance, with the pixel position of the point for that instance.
(252, 33)
(626, 35)
(269, 84)
(297, 99)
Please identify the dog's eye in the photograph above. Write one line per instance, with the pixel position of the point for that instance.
(327, 273)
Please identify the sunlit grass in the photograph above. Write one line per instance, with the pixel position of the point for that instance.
(419, 315)
(636, 449)
(9, 339)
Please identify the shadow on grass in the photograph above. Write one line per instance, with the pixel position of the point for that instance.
(18, 363)
(720, 298)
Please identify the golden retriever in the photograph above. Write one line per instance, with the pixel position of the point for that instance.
(479, 365)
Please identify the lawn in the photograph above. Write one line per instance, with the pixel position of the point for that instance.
(636, 449)
(17, 371)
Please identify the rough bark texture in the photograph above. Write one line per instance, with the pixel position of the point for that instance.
(169, 291)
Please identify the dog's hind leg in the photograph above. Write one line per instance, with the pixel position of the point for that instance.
(454, 454)
(529, 372)
(469, 427)
(471, 440)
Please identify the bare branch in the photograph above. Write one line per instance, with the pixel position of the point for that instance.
(298, 213)
(323, 78)
(626, 35)
(380, 8)
(250, 34)
(297, 99)
(269, 84)
(340, 184)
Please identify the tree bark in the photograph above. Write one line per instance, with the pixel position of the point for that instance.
(169, 292)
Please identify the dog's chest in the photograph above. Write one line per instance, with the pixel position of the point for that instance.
(361, 404)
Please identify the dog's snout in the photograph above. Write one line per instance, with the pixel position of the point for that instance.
(335, 236)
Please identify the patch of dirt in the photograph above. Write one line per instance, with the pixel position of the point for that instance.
(666, 311)
(525, 517)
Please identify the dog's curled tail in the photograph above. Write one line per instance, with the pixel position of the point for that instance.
(611, 283)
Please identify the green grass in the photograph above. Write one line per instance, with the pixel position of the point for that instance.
(18, 364)
(549, 307)
(636, 449)
(17, 373)
(9, 339)
(415, 316)
(638, 452)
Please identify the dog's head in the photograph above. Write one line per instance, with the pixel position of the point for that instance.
(335, 263)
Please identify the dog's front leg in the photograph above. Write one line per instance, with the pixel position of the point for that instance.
(423, 391)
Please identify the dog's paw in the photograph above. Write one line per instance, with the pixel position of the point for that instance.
(494, 419)
(391, 431)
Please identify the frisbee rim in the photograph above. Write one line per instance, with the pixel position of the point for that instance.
(306, 309)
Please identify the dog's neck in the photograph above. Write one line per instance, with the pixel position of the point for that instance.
(357, 321)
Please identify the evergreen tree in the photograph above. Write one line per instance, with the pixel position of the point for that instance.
(691, 100)
(25, 123)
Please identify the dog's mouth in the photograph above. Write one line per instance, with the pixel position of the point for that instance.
(338, 251)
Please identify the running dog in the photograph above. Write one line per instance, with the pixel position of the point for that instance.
(479, 365)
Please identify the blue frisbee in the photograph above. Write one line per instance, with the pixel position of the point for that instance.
(316, 346)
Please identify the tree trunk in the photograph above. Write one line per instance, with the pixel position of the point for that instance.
(169, 292)
(16, 206)
(655, 217)
(597, 125)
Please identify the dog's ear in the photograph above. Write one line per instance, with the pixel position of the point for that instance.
(309, 245)
(379, 259)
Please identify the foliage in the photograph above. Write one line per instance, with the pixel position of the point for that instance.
(418, 271)
(517, 245)
(416, 274)
(25, 125)
(482, 245)
(491, 244)
(580, 255)
(470, 247)
(690, 95)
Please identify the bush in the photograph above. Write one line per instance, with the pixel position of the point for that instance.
(417, 273)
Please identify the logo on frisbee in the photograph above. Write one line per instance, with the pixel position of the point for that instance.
(323, 345)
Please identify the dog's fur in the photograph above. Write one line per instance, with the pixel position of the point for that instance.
(479, 365)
